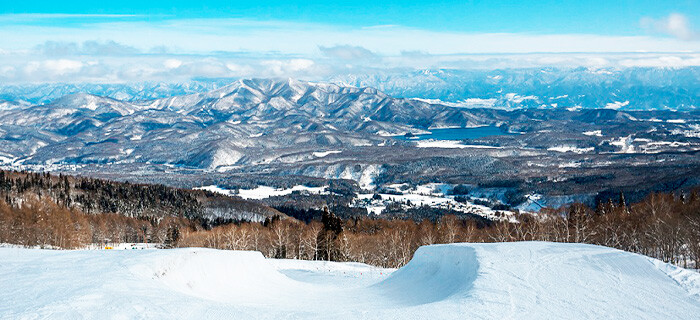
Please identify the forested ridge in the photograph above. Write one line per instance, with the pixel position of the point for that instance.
(65, 211)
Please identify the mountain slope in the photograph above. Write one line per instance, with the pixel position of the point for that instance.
(214, 126)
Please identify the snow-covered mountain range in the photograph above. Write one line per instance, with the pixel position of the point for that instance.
(627, 88)
(236, 124)
(211, 129)
(291, 128)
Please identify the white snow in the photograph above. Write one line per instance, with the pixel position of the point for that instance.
(466, 103)
(659, 146)
(225, 157)
(432, 194)
(262, 192)
(216, 189)
(625, 144)
(596, 133)
(570, 164)
(573, 149)
(322, 154)
(6, 160)
(514, 97)
(616, 105)
(330, 273)
(123, 246)
(522, 280)
(450, 144)
(692, 132)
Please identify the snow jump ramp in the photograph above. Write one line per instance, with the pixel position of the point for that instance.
(524, 280)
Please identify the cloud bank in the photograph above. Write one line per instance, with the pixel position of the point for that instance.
(348, 52)
(131, 48)
(95, 48)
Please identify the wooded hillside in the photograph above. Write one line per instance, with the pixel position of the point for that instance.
(67, 212)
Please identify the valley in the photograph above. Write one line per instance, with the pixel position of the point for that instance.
(280, 133)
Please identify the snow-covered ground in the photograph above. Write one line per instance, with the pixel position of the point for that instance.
(435, 195)
(322, 154)
(262, 192)
(450, 144)
(571, 149)
(594, 133)
(525, 280)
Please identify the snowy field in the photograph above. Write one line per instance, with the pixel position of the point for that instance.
(432, 194)
(435, 195)
(262, 192)
(526, 280)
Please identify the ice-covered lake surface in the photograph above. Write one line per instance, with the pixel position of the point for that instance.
(456, 133)
(525, 280)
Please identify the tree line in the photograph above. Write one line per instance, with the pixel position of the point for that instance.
(93, 196)
(45, 210)
(662, 226)
(33, 221)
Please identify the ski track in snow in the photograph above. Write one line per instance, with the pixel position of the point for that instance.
(524, 280)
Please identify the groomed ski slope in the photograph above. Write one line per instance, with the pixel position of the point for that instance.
(524, 280)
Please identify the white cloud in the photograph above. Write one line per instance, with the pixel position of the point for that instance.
(675, 25)
(118, 50)
(347, 52)
(204, 36)
(665, 61)
(7, 72)
(172, 63)
(208, 67)
(154, 68)
(616, 105)
(91, 47)
(54, 67)
(300, 64)
(19, 68)
(285, 67)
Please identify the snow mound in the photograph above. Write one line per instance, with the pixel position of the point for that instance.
(240, 276)
(526, 280)
(434, 274)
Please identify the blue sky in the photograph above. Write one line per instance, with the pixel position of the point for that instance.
(128, 40)
(543, 16)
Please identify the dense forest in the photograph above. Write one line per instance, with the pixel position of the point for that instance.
(40, 209)
(69, 212)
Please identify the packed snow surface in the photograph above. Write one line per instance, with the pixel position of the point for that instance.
(525, 280)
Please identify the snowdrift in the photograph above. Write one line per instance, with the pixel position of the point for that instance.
(527, 280)
(434, 273)
(235, 276)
